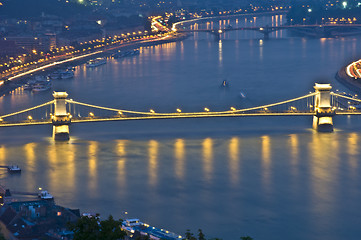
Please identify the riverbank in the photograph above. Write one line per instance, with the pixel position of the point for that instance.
(351, 83)
(19, 79)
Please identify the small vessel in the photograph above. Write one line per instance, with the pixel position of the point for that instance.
(14, 169)
(224, 83)
(27, 86)
(96, 62)
(41, 87)
(121, 54)
(67, 74)
(45, 195)
(133, 225)
(242, 95)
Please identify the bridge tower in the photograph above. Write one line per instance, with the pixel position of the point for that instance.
(61, 118)
(322, 120)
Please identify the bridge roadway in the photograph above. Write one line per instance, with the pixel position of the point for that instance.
(173, 116)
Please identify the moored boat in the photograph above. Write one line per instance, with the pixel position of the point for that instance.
(45, 195)
(96, 62)
(134, 225)
(14, 169)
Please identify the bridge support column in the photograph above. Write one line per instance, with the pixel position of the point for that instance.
(266, 35)
(322, 120)
(61, 118)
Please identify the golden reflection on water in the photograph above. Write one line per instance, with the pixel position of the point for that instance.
(29, 151)
(153, 162)
(207, 147)
(234, 159)
(61, 157)
(323, 154)
(266, 160)
(2, 155)
(220, 52)
(121, 152)
(294, 147)
(92, 156)
(179, 152)
(352, 150)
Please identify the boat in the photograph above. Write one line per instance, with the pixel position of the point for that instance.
(28, 86)
(96, 62)
(14, 169)
(224, 83)
(122, 54)
(45, 195)
(41, 87)
(135, 225)
(242, 95)
(67, 74)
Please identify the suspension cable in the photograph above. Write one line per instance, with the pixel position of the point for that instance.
(27, 110)
(349, 98)
(199, 113)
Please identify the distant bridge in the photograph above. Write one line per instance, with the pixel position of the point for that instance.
(324, 30)
(322, 105)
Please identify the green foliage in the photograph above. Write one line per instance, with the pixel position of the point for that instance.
(246, 238)
(91, 228)
(201, 236)
(189, 235)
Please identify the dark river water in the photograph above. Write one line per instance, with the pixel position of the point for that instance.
(267, 177)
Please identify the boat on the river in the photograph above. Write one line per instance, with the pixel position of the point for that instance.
(135, 225)
(45, 195)
(41, 87)
(14, 169)
(224, 84)
(96, 62)
(122, 54)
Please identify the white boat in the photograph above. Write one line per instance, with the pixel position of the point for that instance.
(67, 74)
(14, 169)
(41, 87)
(133, 225)
(43, 194)
(96, 62)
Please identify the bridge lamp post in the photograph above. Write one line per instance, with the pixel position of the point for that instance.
(179, 110)
(152, 111)
(220, 31)
(120, 113)
(206, 109)
(233, 109)
(30, 118)
(91, 114)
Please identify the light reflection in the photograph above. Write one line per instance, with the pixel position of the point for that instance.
(2, 155)
(294, 145)
(323, 155)
(352, 150)
(61, 157)
(234, 159)
(153, 162)
(207, 158)
(179, 152)
(220, 54)
(92, 156)
(121, 152)
(266, 159)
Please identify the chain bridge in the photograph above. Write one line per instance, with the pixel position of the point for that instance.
(322, 105)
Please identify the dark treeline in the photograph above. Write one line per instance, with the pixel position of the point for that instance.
(317, 12)
(28, 9)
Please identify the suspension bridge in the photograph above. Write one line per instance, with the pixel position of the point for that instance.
(322, 105)
(323, 30)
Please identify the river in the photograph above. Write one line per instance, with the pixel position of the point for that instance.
(269, 178)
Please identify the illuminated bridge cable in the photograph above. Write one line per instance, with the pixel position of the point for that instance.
(349, 98)
(193, 113)
(27, 110)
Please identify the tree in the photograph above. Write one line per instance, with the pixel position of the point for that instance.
(201, 236)
(91, 228)
(246, 238)
(189, 235)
